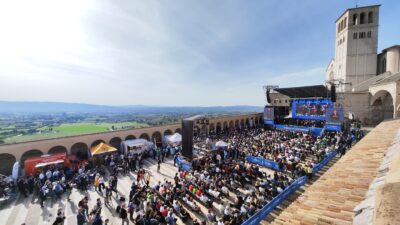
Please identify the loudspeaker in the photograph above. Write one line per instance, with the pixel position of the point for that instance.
(187, 138)
(333, 93)
(268, 98)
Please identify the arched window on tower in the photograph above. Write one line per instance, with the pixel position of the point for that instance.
(345, 22)
(355, 18)
(383, 65)
(370, 17)
(341, 25)
(362, 18)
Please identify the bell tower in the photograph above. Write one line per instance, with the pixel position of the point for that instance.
(356, 46)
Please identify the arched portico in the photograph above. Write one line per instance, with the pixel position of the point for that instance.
(130, 137)
(6, 163)
(167, 132)
(145, 136)
(382, 106)
(29, 154)
(58, 149)
(218, 129)
(80, 150)
(211, 128)
(156, 137)
(116, 142)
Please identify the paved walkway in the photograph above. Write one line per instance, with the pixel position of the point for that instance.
(28, 209)
(332, 198)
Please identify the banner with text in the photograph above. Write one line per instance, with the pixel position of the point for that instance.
(260, 215)
(263, 162)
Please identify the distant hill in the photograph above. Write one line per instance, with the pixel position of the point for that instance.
(61, 107)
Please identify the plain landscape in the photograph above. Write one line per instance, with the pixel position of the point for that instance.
(28, 121)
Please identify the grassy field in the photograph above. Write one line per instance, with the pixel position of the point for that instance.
(71, 129)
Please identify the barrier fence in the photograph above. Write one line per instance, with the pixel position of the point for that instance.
(325, 161)
(260, 215)
(263, 162)
(315, 131)
(184, 165)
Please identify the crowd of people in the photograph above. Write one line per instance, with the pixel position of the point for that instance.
(300, 122)
(222, 181)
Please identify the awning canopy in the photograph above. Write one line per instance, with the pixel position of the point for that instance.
(175, 138)
(221, 144)
(136, 142)
(49, 163)
(102, 148)
(316, 91)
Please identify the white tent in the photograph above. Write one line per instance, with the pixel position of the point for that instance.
(140, 145)
(174, 139)
(15, 171)
(221, 144)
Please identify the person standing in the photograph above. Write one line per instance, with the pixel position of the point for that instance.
(101, 184)
(60, 217)
(147, 179)
(84, 204)
(123, 214)
(158, 165)
(68, 190)
(163, 155)
(108, 195)
(43, 195)
(175, 158)
(81, 217)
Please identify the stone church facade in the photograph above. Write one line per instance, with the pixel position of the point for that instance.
(367, 82)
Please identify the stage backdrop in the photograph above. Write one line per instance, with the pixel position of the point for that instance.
(314, 109)
(269, 115)
(334, 115)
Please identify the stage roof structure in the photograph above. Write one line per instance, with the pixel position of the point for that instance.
(316, 91)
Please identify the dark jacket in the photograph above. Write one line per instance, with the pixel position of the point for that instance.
(81, 218)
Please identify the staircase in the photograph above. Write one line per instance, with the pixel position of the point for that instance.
(332, 195)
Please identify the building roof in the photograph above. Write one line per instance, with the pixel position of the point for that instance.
(383, 78)
(393, 46)
(315, 91)
(369, 6)
(389, 79)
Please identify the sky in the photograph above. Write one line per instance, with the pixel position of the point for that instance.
(175, 53)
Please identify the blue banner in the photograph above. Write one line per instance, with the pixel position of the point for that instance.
(333, 127)
(263, 162)
(184, 165)
(268, 122)
(315, 131)
(325, 161)
(260, 215)
(292, 128)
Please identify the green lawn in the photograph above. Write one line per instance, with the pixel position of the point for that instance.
(70, 129)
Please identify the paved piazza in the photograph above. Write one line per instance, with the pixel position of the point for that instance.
(28, 209)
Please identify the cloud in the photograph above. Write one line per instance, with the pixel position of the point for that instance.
(161, 52)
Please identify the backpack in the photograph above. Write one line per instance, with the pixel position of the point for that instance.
(118, 209)
(123, 214)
